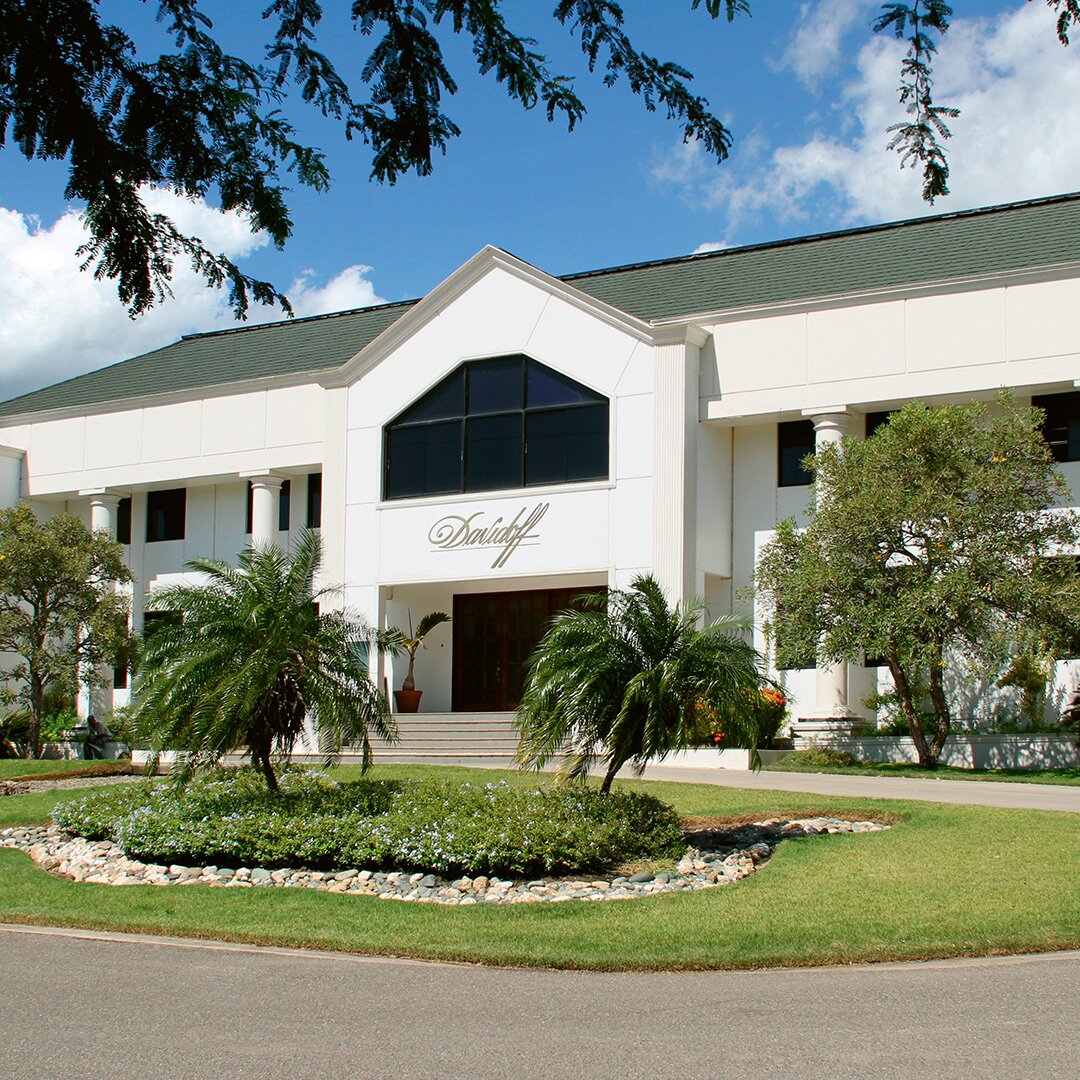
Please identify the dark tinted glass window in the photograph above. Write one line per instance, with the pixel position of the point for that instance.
(796, 441)
(314, 500)
(165, 512)
(424, 460)
(493, 452)
(519, 423)
(564, 445)
(123, 521)
(1061, 428)
(284, 505)
(497, 386)
(547, 387)
(874, 420)
(155, 620)
(445, 402)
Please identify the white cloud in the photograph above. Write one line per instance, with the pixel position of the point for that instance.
(1017, 136)
(57, 321)
(710, 245)
(816, 42)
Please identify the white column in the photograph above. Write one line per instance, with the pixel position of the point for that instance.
(98, 699)
(830, 426)
(11, 462)
(103, 513)
(675, 422)
(265, 494)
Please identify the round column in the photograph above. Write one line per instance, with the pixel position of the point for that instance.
(103, 513)
(265, 493)
(832, 679)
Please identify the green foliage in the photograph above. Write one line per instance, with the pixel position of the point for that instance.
(950, 556)
(769, 709)
(230, 819)
(818, 757)
(1030, 676)
(60, 612)
(76, 89)
(255, 652)
(398, 640)
(622, 680)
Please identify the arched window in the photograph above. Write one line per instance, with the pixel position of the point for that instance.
(506, 423)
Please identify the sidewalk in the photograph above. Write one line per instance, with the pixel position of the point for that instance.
(973, 792)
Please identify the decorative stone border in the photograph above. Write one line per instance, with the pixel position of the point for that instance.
(723, 857)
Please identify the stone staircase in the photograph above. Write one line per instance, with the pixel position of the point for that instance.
(450, 739)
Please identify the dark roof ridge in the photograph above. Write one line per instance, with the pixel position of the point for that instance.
(293, 321)
(766, 245)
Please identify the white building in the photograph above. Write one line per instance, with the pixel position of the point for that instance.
(514, 438)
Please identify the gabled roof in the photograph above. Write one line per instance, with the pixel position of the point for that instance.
(945, 247)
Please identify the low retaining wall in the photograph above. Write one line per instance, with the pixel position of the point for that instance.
(707, 757)
(74, 750)
(965, 751)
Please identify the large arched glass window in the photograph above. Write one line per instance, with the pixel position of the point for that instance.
(506, 423)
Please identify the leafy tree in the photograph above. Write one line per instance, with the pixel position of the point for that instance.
(249, 658)
(622, 679)
(931, 538)
(197, 119)
(60, 611)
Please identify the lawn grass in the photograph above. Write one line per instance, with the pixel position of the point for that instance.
(946, 881)
(1068, 775)
(64, 770)
(13, 767)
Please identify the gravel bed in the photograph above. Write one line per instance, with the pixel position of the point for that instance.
(716, 857)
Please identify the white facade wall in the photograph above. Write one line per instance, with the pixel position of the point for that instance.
(694, 408)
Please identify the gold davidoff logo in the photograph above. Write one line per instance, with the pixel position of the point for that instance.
(457, 531)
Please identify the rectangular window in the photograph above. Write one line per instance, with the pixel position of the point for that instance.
(314, 500)
(874, 420)
(123, 521)
(795, 441)
(120, 675)
(165, 513)
(424, 460)
(155, 620)
(494, 452)
(566, 445)
(1061, 428)
(284, 501)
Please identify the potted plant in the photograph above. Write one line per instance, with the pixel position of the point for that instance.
(407, 699)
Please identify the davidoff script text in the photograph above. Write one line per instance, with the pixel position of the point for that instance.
(457, 531)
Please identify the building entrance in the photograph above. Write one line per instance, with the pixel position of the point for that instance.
(494, 635)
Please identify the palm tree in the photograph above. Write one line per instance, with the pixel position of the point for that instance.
(250, 656)
(622, 680)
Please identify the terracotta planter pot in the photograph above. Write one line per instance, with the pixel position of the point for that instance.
(407, 700)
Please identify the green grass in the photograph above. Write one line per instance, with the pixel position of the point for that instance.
(1067, 775)
(947, 881)
(12, 767)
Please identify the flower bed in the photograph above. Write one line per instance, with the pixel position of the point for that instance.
(230, 818)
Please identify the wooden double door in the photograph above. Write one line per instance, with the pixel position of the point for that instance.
(494, 636)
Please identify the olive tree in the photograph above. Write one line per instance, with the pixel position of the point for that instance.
(934, 537)
(61, 614)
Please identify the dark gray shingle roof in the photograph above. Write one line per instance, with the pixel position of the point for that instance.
(1016, 236)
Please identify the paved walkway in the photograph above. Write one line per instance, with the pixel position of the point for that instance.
(79, 1004)
(974, 792)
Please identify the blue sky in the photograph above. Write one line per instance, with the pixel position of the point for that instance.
(805, 87)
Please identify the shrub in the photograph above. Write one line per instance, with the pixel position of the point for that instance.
(230, 818)
(819, 757)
